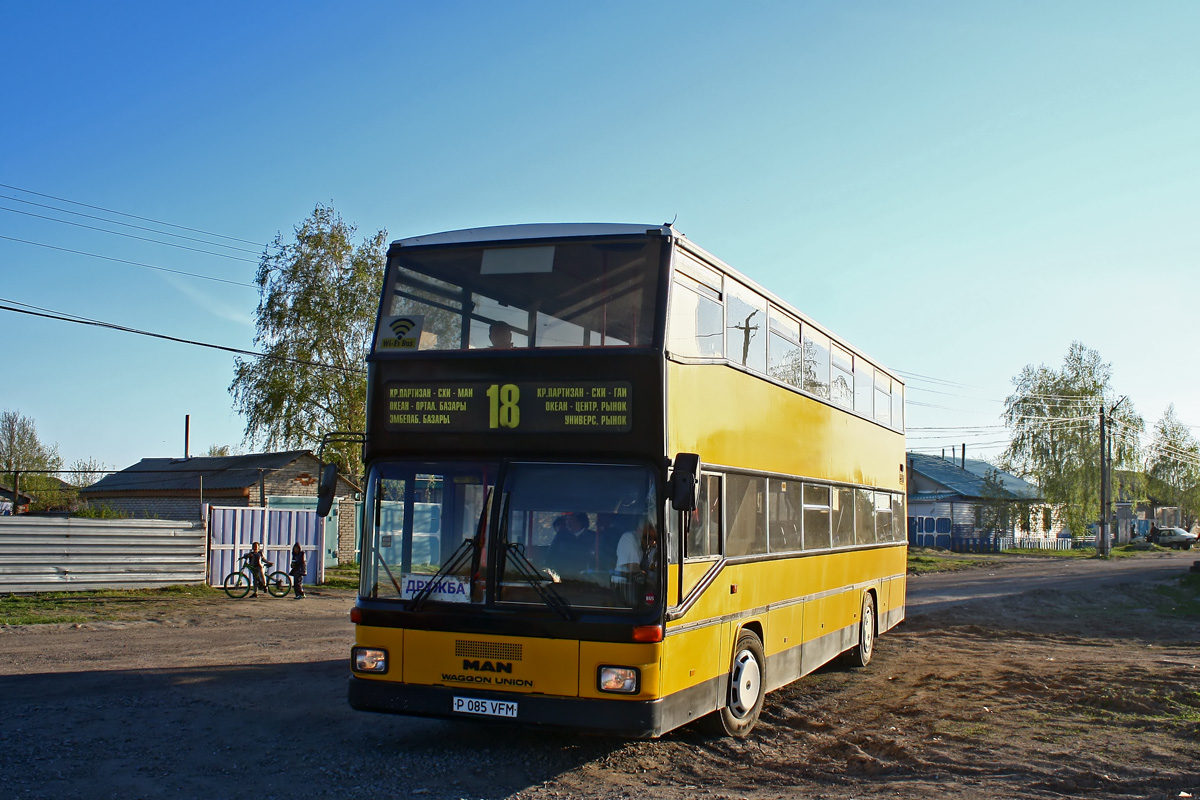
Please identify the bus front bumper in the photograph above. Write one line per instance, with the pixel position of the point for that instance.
(629, 718)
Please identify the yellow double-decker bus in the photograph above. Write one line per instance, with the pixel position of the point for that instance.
(612, 484)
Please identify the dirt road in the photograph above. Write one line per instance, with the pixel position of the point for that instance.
(1047, 679)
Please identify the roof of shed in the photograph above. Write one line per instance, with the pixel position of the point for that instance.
(969, 482)
(218, 472)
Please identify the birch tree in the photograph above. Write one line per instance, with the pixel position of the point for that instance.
(1053, 416)
(316, 313)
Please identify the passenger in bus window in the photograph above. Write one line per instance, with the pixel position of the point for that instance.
(500, 333)
(573, 549)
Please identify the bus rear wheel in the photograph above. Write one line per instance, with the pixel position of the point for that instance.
(860, 656)
(747, 686)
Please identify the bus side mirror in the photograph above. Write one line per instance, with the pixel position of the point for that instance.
(326, 488)
(681, 487)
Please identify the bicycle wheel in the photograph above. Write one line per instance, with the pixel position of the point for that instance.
(279, 584)
(237, 585)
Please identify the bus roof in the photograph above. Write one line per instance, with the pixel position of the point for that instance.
(564, 230)
(553, 230)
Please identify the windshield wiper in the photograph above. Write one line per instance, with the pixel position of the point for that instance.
(516, 553)
(456, 560)
(470, 547)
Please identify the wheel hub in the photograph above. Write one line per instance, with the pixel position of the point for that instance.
(747, 675)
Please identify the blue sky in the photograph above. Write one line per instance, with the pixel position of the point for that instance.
(959, 189)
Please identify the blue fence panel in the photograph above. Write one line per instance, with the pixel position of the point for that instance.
(232, 530)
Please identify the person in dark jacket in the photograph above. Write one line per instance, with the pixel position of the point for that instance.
(298, 569)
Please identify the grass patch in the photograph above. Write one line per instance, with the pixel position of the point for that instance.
(1181, 599)
(343, 576)
(45, 608)
(924, 563)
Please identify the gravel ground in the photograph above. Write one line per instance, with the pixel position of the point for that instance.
(1090, 690)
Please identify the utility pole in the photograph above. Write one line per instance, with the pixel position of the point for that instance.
(1102, 531)
(1108, 476)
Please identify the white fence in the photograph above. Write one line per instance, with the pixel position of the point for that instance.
(45, 555)
(1037, 543)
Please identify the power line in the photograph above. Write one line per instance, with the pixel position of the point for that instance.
(127, 235)
(132, 216)
(36, 311)
(952, 394)
(127, 224)
(941, 381)
(133, 263)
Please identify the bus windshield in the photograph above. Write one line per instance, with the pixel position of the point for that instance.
(564, 535)
(589, 294)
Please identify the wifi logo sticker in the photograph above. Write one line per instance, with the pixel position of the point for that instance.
(400, 333)
(402, 326)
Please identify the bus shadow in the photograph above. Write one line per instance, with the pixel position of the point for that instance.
(211, 729)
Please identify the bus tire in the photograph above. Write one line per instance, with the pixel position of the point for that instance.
(747, 686)
(861, 653)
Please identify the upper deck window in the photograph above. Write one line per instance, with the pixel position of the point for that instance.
(574, 294)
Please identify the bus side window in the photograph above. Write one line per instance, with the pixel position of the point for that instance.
(783, 512)
(704, 534)
(696, 324)
(747, 533)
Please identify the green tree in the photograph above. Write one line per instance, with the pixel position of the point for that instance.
(22, 451)
(315, 318)
(1173, 464)
(1053, 418)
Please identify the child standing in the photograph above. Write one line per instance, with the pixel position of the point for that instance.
(298, 569)
(257, 559)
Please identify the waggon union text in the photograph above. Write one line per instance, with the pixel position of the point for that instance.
(486, 679)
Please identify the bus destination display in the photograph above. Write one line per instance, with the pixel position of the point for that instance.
(522, 407)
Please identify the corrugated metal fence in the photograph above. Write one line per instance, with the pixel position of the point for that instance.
(233, 530)
(45, 555)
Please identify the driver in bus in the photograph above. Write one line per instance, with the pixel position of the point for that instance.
(637, 562)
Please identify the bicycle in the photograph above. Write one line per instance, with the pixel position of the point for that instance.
(238, 584)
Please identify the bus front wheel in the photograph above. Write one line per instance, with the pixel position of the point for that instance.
(747, 687)
(860, 656)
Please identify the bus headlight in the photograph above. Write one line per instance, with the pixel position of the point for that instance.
(619, 680)
(368, 659)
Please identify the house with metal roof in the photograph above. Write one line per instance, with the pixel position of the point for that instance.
(7, 496)
(181, 488)
(971, 498)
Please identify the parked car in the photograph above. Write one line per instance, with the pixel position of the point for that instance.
(1175, 538)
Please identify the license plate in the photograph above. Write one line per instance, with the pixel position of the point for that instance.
(489, 708)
